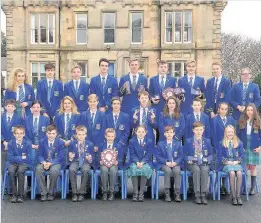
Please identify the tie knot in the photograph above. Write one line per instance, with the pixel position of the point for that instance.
(245, 85)
(169, 144)
(51, 145)
(134, 76)
(191, 78)
(103, 78)
(20, 87)
(50, 82)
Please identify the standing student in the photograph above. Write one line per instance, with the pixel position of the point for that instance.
(171, 116)
(104, 86)
(49, 92)
(77, 89)
(50, 158)
(169, 157)
(80, 158)
(198, 150)
(193, 85)
(19, 157)
(19, 90)
(141, 149)
(217, 90)
(243, 93)
(249, 132)
(231, 158)
(130, 86)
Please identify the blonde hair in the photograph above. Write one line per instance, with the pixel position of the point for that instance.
(216, 63)
(133, 59)
(81, 128)
(12, 79)
(76, 67)
(235, 139)
(74, 109)
(110, 130)
(190, 61)
(93, 96)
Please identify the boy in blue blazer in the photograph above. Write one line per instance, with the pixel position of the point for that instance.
(19, 157)
(80, 157)
(198, 157)
(104, 86)
(50, 158)
(169, 157)
(193, 85)
(243, 93)
(49, 92)
(77, 89)
(130, 86)
(217, 90)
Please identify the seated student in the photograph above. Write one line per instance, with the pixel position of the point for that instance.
(80, 159)
(169, 157)
(171, 116)
(231, 158)
(197, 116)
(77, 89)
(144, 115)
(67, 119)
(141, 149)
(110, 172)
(9, 119)
(198, 156)
(50, 158)
(19, 157)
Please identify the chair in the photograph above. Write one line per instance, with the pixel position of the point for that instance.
(160, 173)
(79, 173)
(96, 183)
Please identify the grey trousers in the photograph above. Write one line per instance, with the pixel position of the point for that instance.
(200, 178)
(171, 172)
(110, 173)
(3, 161)
(135, 183)
(54, 174)
(17, 170)
(73, 169)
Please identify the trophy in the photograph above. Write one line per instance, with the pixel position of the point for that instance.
(156, 98)
(49, 157)
(126, 87)
(109, 157)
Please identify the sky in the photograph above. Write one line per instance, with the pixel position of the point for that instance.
(239, 17)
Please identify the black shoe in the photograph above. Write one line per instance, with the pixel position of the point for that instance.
(177, 198)
(197, 200)
(204, 200)
(252, 191)
(20, 199)
(81, 197)
(50, 197)
(13, 199)
(223, 191)
(234, 201)
(43, 197)
(190, 191)
(111, 197)
(104, 196)
(239, 201)
(141, 197)
(135, 197)
(74, 198)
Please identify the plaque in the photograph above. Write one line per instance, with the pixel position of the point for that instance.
(108, 157)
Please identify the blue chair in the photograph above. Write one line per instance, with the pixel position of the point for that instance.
(211, 185)
(96, 183)
(66, 183)
(182, 188)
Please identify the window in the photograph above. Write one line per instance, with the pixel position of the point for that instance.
(111, 70)
(38, 72)
(81, 28)
(109, 27)
(182, 26)
(43, 28)
(84, 67)
(176, 68)
(136, 27)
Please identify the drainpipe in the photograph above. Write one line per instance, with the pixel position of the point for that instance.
(59, 37)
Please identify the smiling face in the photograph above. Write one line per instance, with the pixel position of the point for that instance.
(93, 104)
(171, 105)
(216, 70)
(10, 108)
(67, 105)
(163, 69)
(19, 134)
(245, 75)
(81, 135)
(250, 111)
(230, 132)
(191, 68)
(104, 66)
(49, 73)
(51, 135)
(198, 132)
(169, 134)
(196, 106)
(110, 136)
(223, 109)
(36, 109)
(141, 132)
(144, 100)
(76, 73)
(116, 106)
(20, 78)
(134, 67)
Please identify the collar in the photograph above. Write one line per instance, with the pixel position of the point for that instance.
(141, 108)
(164, 76)
(245, 84)
(65, 113)
(74, 81)
(116, 114)
(49, 80)
(193, 76)
(38, 116)
(22, 85)
(197, 113)
(9, 115)
(93, 111)
(104, 76)
(49, 142)
(137, 75)
(222, 117)
(17, 143)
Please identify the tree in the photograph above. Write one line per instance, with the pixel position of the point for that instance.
(3, 44)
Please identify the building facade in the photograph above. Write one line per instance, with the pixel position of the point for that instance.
(82, 31)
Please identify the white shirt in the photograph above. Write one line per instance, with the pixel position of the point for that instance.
(195, 115)
(19, 144)
(118, 114)
(141, 113)
(65, 116)
(94, 114)
(164, 79)
(49, 142)
(104, 77)
(38, 118)
(193, 79)
(9, 115)
(218, 81)
(137, 77)
(111, 146)
(245, 84)
(249, 127)
(17, 91)
(74, 83)
(48, 81)
(141, 141)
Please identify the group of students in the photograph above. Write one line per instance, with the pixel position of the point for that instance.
(69, 126)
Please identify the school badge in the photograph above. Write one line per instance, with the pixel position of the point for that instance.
(109, 90)
(121, 127)
(81, 97)
(43, 129)
(98, 126)
(251, 95)
(109, 157)
(56, 93)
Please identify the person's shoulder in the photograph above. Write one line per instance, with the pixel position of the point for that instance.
(89, 143)
(161, 143)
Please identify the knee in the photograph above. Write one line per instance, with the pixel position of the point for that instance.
(39, 168)
(239, 173)
(72, 170)
(104, 170)
(232, 173)
(54, 172)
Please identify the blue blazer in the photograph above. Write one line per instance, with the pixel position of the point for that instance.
(110, 90)
(190, 119)
(29, 97)
(224, 155)
(217, 129)
(95, 133)
(155, 89)
(150, 124)
(199, 83)
(42, 127)
(122, 128)
(130, 101)
(57, 154)
(253, 96)
(14, 154)
(56, 96)
(178, 124)
(162, 155)
(6, 131)
(223, 93)
(80, 98)
(60, 124)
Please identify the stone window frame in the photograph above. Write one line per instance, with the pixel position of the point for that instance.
(84, 77)
(173, 71)
(142, 25)
(114, 33)
(76, 28)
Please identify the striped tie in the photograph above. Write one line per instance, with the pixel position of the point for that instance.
(197, 118)
(215, 89)
(35, 126)
(67, 124)
(162, 84)
(144, 116)
(134, 82)
(244, 94)
(92, 119)
(21, 93)
(190, 81)
(115, 120)
(76, 86)
(103, 84)
(49, 91)
(8, 121)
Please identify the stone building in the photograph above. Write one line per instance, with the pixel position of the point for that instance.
(82, 31)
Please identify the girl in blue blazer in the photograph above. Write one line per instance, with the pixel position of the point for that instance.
(141, 152)
(249, 132)
(20, 91)
(231, 158)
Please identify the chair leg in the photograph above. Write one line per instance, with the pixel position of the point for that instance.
(257, 186)
(184, 186)
(3, 185)
(32, 186)
(245, 182)
(218, 185)
(152, 185)
(157, 186)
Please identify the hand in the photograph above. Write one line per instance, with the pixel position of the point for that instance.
(257, 150)
(35, 146)
(67, 142)
(24, 104)
(212, 114)
(135, 116)
(155, 101)
(71, 155)
(168, 164)
(230, 163)
(46, 166)
(152, 116)
(174, 164)
(45, 114)
(102, 109)
(49, 164)
(235, 162)
(88, 158)
(5, 145)
(95, 149)
(141, 164)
